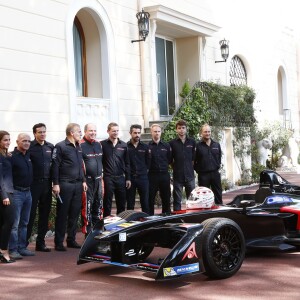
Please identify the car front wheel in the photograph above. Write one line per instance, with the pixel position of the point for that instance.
(223, 247)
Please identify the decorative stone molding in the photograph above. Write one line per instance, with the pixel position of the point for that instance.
(97, 111)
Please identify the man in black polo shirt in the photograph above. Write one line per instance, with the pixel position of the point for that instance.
(68, 183)
(208, 162)
(139, 156)
(92, 198)
(159, 177)
(22, 179)
(41, 156)
(116, 170)
(183, 152)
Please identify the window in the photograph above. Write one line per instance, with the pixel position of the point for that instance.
(79, 59)
(165, 76)
(237, 73)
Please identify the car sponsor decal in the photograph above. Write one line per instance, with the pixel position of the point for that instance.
(191, 252)
(109, 220)
(181, 270)
(278, 200)
(122, 237)
(130, 252)
(125, 225)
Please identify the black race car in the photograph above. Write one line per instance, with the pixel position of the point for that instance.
(210, 241)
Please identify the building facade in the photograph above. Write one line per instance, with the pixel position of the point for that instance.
(67, 61)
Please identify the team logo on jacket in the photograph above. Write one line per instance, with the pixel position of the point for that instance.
(191, 252)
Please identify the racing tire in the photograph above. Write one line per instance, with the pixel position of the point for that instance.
(223, 247)
(131, 215)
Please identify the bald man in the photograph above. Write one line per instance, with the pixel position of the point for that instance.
(92, 198)
(22, 179)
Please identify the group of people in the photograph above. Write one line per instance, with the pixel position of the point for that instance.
(84, 175)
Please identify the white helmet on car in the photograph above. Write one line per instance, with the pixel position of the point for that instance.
(200, 197)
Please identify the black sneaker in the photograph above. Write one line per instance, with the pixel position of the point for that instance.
(42, 248)
(73, 244)
(60, 248)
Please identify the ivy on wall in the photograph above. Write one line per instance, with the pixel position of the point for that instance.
(220, 106)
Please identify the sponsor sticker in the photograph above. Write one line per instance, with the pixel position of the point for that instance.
(130, 252)
(181, 270)
(191, 252)
(125, 225)
(122, 237)
(278, 199)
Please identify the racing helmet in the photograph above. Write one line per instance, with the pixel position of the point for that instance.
(200, 197)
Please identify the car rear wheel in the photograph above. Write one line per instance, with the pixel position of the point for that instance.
(223, 247)
(132, 215)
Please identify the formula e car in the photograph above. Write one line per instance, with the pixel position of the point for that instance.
(209, 241)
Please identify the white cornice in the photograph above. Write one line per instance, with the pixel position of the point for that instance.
(177, 24)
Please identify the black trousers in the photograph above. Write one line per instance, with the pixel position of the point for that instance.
(141, 185)
(114, 185)
(159, 182)
(41, 193)
(67, 213)
(91, 204)
(177, 192)
(212, 180)
(7, 217)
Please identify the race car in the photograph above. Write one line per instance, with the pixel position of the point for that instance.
(204, 238)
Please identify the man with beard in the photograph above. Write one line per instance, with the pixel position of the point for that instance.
(139, 156)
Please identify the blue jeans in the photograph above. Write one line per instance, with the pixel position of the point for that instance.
(22, 205)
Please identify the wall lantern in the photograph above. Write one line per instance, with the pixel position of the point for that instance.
(224, 51)
(143, 23)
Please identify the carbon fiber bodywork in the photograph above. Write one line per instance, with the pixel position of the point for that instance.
(205, 241)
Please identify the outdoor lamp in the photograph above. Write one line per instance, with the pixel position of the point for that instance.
(143, 23)
(224, 51)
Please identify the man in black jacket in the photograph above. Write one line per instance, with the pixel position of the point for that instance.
(22, 179)
(92, 198)
(183, 154)
(159, 177)
(116, 170)
(68, 184)
(208, 162)
(139, 156)
(41, 157)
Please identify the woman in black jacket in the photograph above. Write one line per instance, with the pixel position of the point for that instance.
(6, 197)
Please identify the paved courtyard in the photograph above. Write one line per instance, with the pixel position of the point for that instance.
(55, 275)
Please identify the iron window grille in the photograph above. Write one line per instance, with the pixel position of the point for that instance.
(237, 73)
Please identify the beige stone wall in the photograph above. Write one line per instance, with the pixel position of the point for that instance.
(36, 67)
